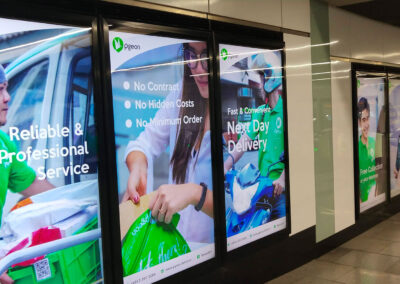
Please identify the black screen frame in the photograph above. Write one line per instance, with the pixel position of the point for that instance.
(372, 69)
(166, 31)
(80, 16)
(224, 33)
(390, 71)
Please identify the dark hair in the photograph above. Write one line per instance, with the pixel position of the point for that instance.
(191, 133)
(361, 106)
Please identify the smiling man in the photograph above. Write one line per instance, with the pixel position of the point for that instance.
(366, 151)
(16, 176)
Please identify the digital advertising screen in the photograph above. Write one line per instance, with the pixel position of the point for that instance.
(253, 143)
(394, 124)
(372, 149)
(163, 149)
(49, 205)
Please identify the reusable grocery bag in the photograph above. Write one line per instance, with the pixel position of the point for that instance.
(149, 243)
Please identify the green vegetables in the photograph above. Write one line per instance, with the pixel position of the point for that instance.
(149, 243)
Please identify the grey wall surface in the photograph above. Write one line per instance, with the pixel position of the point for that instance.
(291, 14)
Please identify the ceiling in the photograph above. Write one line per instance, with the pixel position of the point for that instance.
(387, 11)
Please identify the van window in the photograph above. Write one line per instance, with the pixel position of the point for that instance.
(27, 90)
(81, 112)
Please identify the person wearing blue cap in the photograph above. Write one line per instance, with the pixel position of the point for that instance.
(16, 176)
(270, 116)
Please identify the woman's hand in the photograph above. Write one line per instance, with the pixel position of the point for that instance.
(137, 181)
(172, 198)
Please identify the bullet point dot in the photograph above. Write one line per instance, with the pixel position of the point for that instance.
(127, 104)
(128, 123)
(127, 85)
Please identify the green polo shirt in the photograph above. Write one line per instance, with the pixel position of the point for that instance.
(366, 157)
(272, 135)
(15, 175)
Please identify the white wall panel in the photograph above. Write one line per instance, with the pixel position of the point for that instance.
(195, 5)
(366, 38)
(363, 38)
(300, 131)
(391, 44)
(339, 29)
(342, 136)
(260, 11)
(296, 15)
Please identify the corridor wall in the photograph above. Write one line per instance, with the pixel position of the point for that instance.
(358, 38)
(290, 14)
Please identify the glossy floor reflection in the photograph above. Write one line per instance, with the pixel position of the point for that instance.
(372, 257)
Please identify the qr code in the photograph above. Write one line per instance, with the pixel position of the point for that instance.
(42, 269)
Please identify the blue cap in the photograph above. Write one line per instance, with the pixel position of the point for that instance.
(2, 75)
(272, 66)
(273, 79)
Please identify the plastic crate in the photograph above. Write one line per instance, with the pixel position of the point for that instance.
(76, 265)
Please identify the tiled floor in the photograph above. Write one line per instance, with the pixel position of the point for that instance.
(372, 257)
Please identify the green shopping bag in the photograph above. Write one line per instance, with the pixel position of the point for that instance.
(149, 243)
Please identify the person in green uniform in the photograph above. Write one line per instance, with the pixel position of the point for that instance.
(270, 116)
(267, 123)
(366, 152)
(14, 175)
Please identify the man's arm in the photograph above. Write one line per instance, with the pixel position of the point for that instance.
(36, 187)
(279, 184)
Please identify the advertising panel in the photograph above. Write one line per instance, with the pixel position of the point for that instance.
(394, 122)
(372, 149)
(163, 149)
(49, 208)
(254, 141)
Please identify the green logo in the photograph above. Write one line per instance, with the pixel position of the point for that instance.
(118, 44)
(198, 256)
(224, 54)
(358, 83)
